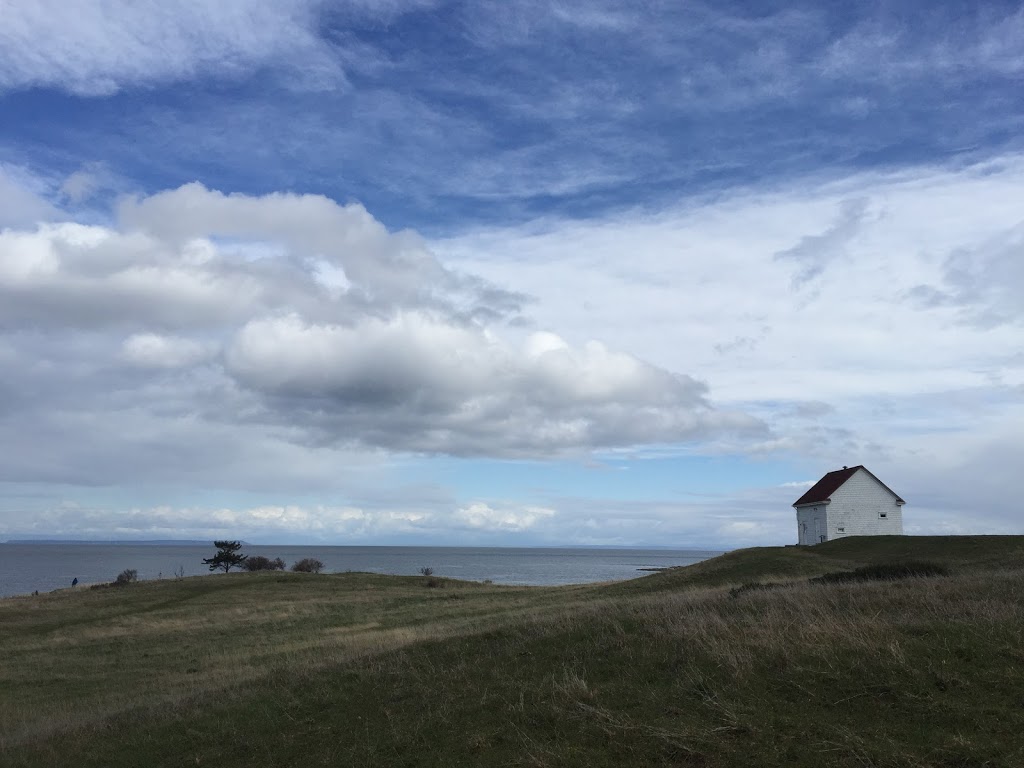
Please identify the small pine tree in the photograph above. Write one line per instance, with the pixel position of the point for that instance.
(227, 556)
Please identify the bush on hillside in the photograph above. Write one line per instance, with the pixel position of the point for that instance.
(127, 576)
(308, 565)
(884, 572)
(431, 581)
(261, 563)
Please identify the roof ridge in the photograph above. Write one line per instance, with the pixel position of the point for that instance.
(829, 484)
(822, 490)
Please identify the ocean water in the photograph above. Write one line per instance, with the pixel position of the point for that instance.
(27, 567)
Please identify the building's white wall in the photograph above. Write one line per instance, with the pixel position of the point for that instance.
(857, 507)
(811, 524)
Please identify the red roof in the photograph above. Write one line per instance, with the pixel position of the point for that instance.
(822, 490)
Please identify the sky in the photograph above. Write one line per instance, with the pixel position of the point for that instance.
(506, 273)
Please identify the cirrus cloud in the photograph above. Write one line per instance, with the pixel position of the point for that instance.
(94, 48)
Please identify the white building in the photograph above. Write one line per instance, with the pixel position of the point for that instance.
(848, 502)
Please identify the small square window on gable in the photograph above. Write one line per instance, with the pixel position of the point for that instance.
(842, 530)
(883, 514)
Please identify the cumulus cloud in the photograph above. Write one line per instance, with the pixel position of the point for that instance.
(482, 516)
(415, 382)
(293, 318)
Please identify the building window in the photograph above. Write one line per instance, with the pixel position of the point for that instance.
(842, 530)
(883, 514)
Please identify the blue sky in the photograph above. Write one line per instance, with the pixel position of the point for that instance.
(506, 273)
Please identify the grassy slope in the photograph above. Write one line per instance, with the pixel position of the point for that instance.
(356, 669)
(960, 553)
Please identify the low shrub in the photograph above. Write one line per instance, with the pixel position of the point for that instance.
(431, 582)
(884, 572)
(127, 576)
(261, 563)
(308, 565)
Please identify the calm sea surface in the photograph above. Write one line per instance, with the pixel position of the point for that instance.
(25, 568)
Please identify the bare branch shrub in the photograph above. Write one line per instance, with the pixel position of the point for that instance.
(261, 563)
(127, 576)
(308, 565)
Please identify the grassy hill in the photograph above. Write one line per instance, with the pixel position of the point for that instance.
(960, 553)
(359, 669)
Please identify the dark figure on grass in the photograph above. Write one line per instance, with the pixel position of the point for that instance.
(74, 582)
(227, 556)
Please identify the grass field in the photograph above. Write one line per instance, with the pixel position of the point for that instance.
(363, 670)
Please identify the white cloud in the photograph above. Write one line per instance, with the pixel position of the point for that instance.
(417, 382)
(81, 185)
(22, 199)
(339, 336)
(315, 522)
(894, 52)
(151, 350)
(856, 365)
(679, 287)
(92, 47)
(335, 332)
(986, 282)
(814, 252)
(483, 516)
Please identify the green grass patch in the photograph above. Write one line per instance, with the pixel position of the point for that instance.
(355, 669)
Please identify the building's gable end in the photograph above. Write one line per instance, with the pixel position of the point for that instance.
(864, 506)
(883, 485)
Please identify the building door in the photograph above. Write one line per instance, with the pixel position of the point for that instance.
(819, 535)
